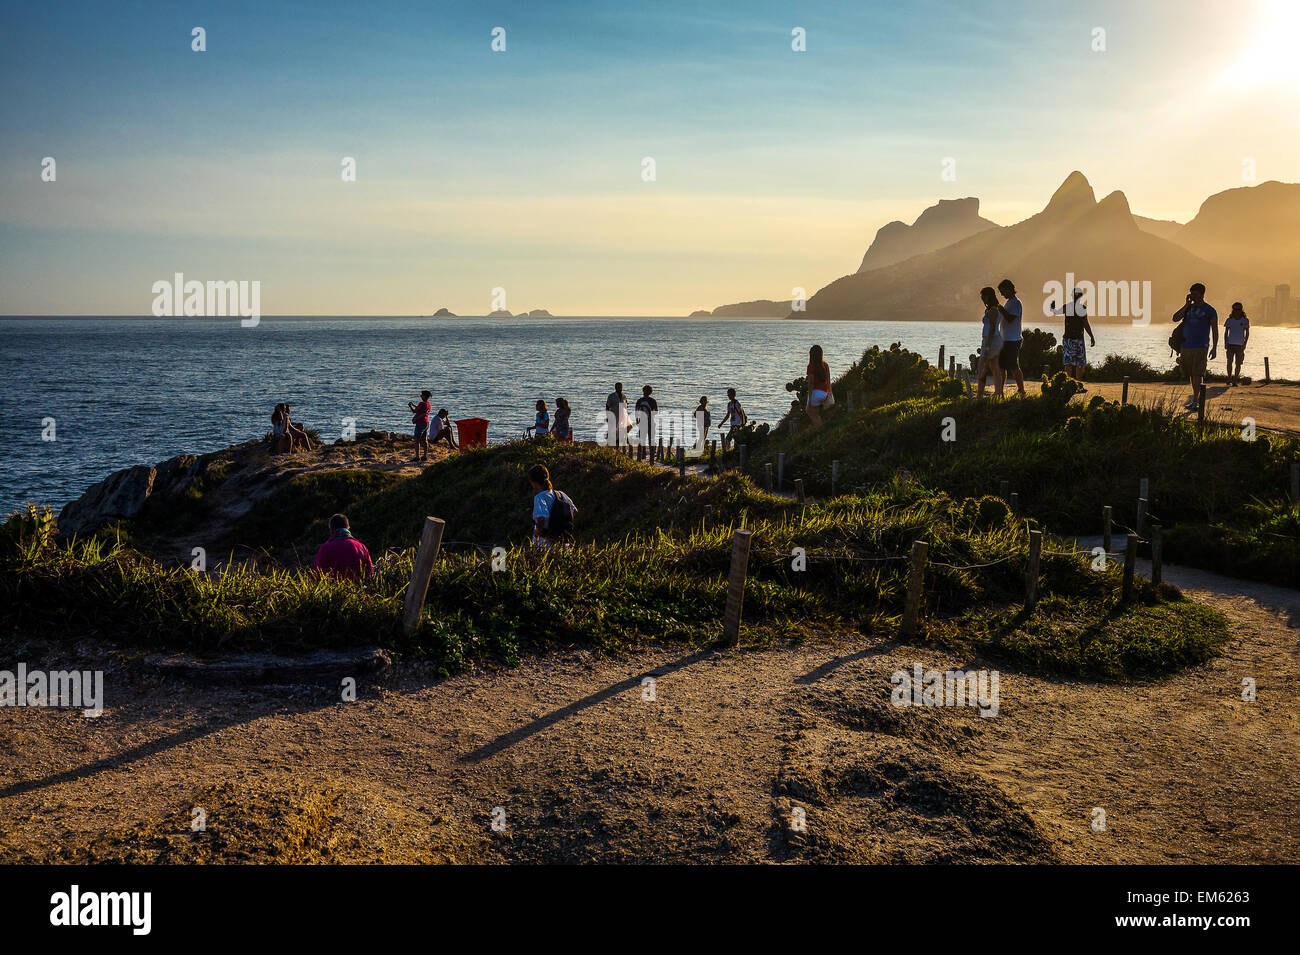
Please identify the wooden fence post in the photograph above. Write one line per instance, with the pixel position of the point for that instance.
(708, 514)
(1031, 577)
(835, 476)
(798, 491)
(1123, 398)
(941, 348)
(681, 461)
(1015, 502)
(767, 477)
(744, 456)
(952, 366)
(780, 471)
(736, 586)
(915, 587)
(660, 458)
(1144, 487)
(1130, 561)
(421, 571)
(713, 456)
(1141, 516)
(1266, 369)
(1157, 552)
(1105, 528)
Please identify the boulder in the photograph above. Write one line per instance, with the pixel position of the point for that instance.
(119, 496)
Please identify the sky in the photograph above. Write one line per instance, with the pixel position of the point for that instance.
(525, 169)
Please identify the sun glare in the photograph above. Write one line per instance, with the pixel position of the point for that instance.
(1269, 57)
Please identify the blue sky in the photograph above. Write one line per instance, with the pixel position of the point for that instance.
(522, 169)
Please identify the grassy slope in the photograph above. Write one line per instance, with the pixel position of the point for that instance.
(1221, 499)
(627, 583)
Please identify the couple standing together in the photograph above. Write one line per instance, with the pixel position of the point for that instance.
(1000, 343)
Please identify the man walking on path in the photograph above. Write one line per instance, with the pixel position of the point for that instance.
(1075, 356)
(343, 555)
(1009, 357)
(1200, 322)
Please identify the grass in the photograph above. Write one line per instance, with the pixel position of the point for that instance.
(1065, 461)
(664, 581)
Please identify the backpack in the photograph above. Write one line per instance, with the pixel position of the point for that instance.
(563, 511)
(1176, 339)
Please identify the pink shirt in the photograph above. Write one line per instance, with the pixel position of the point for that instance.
(346, 557)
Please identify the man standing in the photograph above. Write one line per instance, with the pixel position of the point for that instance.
(646, 409)
(616, 416)
(1075, 356)
(343, 555)
(1236, 335)
(1200, 323)
(1009, 357)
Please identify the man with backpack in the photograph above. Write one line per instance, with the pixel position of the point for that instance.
(1198, 322)
(553, 511)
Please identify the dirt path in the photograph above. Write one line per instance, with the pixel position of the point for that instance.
(1274, 407)
(587, 762)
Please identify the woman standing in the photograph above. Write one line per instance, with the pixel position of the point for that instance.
(990, 343)
(560, 429)
(420, 418)
(819, 384)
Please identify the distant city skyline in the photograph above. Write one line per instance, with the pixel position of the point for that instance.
(524, 169)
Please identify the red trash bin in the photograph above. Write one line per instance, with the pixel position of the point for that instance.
(471, 432)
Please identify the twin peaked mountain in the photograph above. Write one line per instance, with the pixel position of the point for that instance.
(1241, 243)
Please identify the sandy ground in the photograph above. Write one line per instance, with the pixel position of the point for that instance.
(776, 755)
(1274, 407)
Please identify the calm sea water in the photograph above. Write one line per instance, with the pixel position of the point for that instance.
(138, 391)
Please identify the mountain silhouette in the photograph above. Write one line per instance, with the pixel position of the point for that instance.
(1253, 229)
(948, 221)
(1073, 235)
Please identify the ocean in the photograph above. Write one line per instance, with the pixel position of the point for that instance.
(126, 391)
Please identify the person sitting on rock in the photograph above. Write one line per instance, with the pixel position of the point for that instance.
(285, 434)
(343, 555)
(441, 429)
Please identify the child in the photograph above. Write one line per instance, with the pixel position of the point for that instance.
(542, 424)
(420, 418)
(1236, 334)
